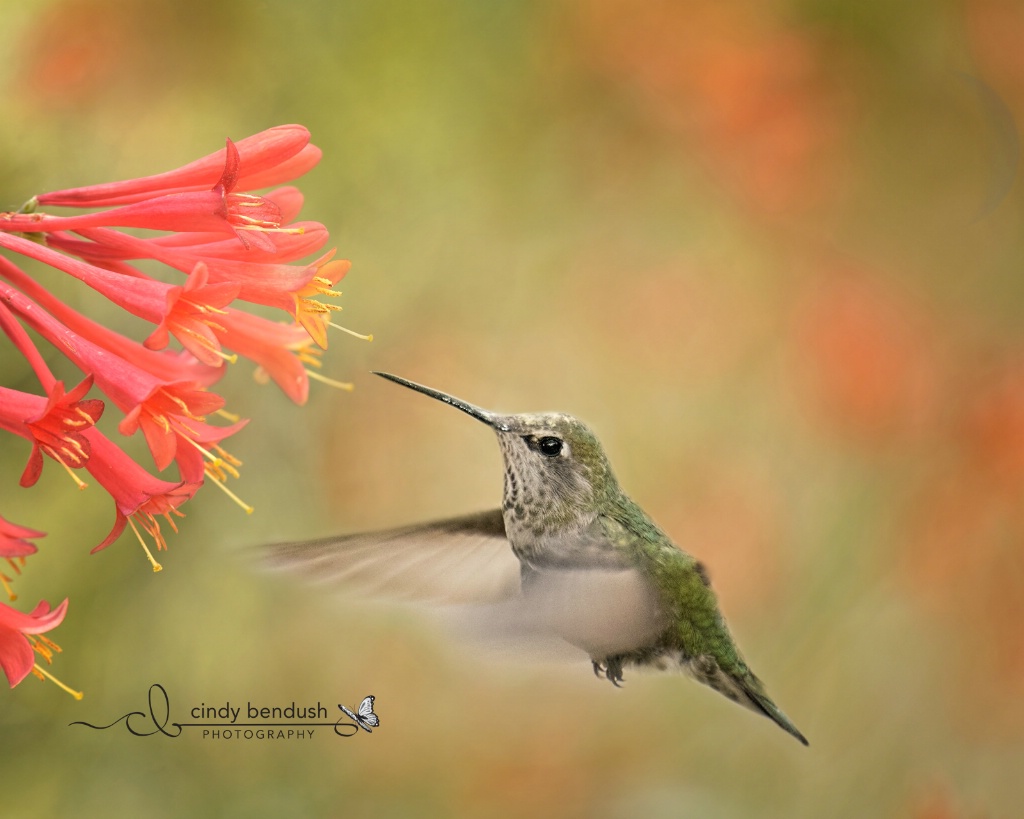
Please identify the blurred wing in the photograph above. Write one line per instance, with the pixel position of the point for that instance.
(602, 612)
(460, 560)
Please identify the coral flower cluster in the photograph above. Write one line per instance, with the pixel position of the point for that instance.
(224, 248)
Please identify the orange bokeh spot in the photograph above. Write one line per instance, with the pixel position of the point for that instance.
(750, 93)
(867, 358)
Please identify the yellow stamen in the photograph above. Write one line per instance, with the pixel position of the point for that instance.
(314, 306)
(170, 521)
(350, 332)
(231, 358)
(222, 467)
(209, 308)
(307, 353)
(78, 481)
(42, 672)
(84, 419)
(178, 326)
(74, 448)
(41, 648)
(5, 581)
(156, 566)
(227, 456)
(223, 413)
(183, 430)
(151, 526)
(248, 509)
(182, 406)
(324, 287)
(323, 379)
(257, 226)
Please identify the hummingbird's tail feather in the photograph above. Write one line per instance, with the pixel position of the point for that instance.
(742, 687)
(772, 711)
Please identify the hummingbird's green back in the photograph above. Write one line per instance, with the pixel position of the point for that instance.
(696, 629)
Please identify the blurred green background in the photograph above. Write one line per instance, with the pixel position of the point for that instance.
(770, 251)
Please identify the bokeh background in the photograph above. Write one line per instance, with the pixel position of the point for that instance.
(770, 251)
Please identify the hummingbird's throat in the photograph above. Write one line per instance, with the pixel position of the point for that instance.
(540, 501)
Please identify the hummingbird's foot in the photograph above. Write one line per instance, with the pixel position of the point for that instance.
(613, 671)
(599, 669)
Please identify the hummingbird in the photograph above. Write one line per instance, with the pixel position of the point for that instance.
(568, 557)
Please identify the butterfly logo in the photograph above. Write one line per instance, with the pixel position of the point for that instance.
(364, 716)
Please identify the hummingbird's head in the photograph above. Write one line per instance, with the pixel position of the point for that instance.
(553, 462)
(551, 457)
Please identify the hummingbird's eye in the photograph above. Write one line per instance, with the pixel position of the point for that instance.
(550, 446)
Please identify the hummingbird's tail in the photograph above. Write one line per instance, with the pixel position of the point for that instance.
(742, 687)
(763, 704)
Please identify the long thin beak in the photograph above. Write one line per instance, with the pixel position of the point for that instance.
(480, 414)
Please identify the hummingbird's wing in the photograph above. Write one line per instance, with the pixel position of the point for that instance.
(459, 560)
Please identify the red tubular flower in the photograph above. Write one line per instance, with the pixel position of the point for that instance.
(271, 283)
(166, 415)
(15, 546)
(183, 311)
(279, 350)
(163, 410)
(218, 210)
(200, 323)
(55, 425)
(188, 316)
(305, 160)
(14, 539)
(267, 158)
(108, 246)
(310, 312)
(138, 496)
(309, 237)
(20, 640)
(165, 366)
(16, 648)
(230, 245)
(289, 201)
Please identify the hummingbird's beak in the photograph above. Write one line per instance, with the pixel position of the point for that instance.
(480, 414)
